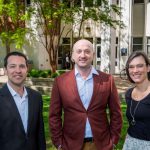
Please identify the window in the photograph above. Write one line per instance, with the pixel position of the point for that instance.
(116, 40)
(148, 46)
(88, 3)
(138, 1)
(28, 2)
(67, 3)
(98, 56)
(137, 43)
(98, 40)
(66, 41)
(117, 2)
(98, 51)
(77, 3)
(116, 53)
(116, 56)
(99, 2)
(63, 50)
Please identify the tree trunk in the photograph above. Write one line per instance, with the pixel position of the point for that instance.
(53, 64)
(7, 47)
(54, 67)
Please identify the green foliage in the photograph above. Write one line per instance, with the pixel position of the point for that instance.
(49, 72)
(34, 73)
(12, 22)
(54, 75)
(44, 74)
(61, 72)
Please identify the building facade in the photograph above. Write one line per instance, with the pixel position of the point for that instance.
(112, 46)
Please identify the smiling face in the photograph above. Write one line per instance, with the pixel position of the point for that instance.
(16, 70)
(138, 70)
(83, 54)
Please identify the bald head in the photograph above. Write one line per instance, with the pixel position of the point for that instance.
(83, 42)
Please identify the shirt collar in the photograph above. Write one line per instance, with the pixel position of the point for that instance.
(13, 92)
(93, 71)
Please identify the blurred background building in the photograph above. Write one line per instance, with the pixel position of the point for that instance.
(112, 46)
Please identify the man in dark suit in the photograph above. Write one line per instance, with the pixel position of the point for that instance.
(84, 95)
(21, 120)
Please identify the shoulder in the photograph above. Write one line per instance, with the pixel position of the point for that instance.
(105, 76)
(4, 90)
(66, 75)
(129, 91)
(128, 94)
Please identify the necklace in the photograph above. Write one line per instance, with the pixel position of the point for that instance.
(133, 122)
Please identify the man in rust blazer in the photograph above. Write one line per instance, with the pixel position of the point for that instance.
(82, 96)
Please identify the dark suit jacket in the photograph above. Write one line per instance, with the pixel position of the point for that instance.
(70, 134)
(12, 133)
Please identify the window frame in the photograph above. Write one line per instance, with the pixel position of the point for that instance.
(138, 1)
(148, 46)
(136, 45)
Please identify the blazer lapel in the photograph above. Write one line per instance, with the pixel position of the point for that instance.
(96, 83)
(12, 106)
(30, 109)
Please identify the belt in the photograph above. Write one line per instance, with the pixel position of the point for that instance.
(89, 139)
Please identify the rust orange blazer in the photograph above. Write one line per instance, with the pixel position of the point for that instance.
(70, 132)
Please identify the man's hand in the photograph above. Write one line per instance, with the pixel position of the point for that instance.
(59, 147)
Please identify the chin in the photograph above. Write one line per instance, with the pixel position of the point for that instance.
(137, 81)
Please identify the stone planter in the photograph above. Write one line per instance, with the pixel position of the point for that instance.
(1, 71)
(43, 85)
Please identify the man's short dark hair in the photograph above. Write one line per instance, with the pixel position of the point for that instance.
(14, 53)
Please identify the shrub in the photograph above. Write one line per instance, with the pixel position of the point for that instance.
(61, 71)
(49, 72)
(44, 74)
(54, 75)
(34, 73)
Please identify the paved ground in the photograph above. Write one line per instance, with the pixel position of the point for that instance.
(3, 79)
(122, 85)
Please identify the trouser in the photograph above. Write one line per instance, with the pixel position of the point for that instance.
(89, 146)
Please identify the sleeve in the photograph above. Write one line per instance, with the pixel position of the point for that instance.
(115, 113)
(55, 115)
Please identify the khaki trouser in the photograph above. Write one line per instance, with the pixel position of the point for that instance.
(89, 146)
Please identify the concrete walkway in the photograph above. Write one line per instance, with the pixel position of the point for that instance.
(3, 79)
(122, 85)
